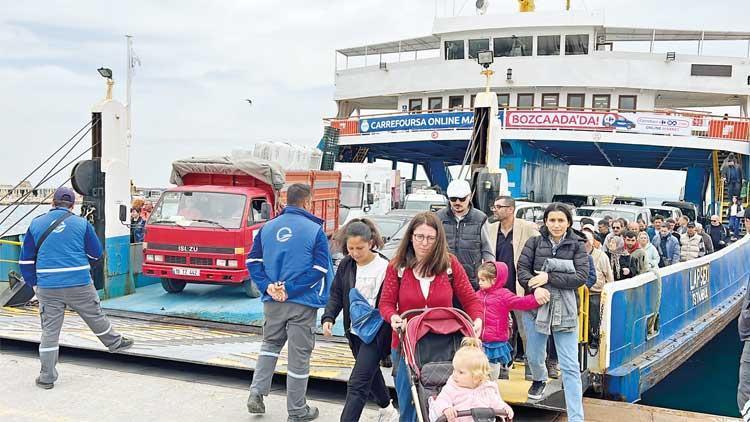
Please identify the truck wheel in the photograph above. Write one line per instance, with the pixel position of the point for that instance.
(250, 290)
(172, 285)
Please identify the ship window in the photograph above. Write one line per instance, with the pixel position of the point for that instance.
(456, 102)
(550, 101)
(435, 103)
(525, 101)
(576, 101)
(475, 46)
(548, 45)
(576, 44)
(503, 100)
(601, 102)
(454, 50)
(512, 46)
(471, 101)
(627, 102)
(415, 104)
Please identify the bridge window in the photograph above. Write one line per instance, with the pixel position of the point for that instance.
(435, 103)
(415, 104)
(454, 50)
(576, 101)
(550, 101)
(475, 46)
(456, 102)
(576, 44)
(601, 102)
(548, 45)
(627, 103)
(512, 46)
(503, 100)
(525, 101)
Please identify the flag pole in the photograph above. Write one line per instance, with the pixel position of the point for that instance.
(129, 65)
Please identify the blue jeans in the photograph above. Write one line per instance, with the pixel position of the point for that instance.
(405, 404)
(567, 354)
(734, 226)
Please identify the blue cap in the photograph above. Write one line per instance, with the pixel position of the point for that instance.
(64, 193)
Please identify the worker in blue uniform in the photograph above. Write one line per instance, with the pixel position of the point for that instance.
(57, 251)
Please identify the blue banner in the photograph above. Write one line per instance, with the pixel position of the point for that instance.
(419, 121)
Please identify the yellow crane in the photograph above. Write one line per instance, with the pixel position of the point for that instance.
(528, 5)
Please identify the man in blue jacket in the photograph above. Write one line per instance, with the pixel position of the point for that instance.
(290, 263)
(56, 255)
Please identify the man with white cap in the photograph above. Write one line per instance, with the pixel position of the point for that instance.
(56, 255)
(466, 229)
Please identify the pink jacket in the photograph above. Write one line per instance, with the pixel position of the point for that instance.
(497, 302)
(485, 395)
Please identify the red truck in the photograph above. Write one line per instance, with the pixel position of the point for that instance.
(202, 230)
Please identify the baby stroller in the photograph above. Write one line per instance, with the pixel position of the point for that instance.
(431, 339)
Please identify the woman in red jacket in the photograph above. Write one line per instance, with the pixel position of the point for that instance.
(417, 278)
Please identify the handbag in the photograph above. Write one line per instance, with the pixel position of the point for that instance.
(366, 320)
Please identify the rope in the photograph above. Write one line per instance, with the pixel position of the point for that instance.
(46, 177)
(32, 210)
(45, 161)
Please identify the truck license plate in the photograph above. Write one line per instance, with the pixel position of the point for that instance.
(186, 271)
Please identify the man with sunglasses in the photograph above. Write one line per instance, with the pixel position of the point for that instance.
(466, 230)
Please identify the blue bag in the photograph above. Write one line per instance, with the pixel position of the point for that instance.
(366, 320)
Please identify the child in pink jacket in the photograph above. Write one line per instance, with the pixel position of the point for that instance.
(469, 386)
(497, 302)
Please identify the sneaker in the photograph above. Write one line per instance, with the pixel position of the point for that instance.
(311, 414)
(255, 403)
(44, 385)
(553, 370)
(388, 414)
(536, 391)
(125, 343)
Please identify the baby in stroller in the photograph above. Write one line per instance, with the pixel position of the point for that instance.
(469, 386)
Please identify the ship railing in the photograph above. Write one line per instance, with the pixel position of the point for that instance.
(701, 124)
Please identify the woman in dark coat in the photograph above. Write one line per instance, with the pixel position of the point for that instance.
(556, 261)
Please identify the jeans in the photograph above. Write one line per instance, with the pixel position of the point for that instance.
(567, 352)
(366, 380)
(403, 390)
(734, 226)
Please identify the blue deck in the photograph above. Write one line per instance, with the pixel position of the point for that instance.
(226, 304)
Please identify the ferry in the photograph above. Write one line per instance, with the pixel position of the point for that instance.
(556, 90)
(569, 89)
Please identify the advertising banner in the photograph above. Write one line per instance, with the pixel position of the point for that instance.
(591, 120)
(419, 121)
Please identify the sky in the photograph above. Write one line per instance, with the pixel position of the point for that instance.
(201, 59)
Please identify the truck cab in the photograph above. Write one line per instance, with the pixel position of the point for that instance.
(202, 230)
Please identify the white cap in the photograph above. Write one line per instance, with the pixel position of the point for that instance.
(458, 189)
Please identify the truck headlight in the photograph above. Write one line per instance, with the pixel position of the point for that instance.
(232, 263)
(159, 258)
(221, 262)
(149, 257)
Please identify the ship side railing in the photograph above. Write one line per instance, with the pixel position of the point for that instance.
(701, 124)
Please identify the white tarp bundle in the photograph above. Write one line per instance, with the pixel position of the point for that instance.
(290, 156)
(239, 163)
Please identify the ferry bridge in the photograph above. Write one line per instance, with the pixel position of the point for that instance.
(538, 152)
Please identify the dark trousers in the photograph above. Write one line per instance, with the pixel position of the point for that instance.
(733, 188)
(366, 380)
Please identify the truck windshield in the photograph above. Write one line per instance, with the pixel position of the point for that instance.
(351, 194)
(213, 209)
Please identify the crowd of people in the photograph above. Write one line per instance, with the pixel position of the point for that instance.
(140, 211)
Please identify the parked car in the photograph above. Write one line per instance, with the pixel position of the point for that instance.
(530, 211)
(425, 200)
(388, 225)
(629, 200)
(628, 212)
(688, 208)
(665, 212)
(576, 200)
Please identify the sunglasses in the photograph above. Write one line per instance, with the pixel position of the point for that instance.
(457, 199)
